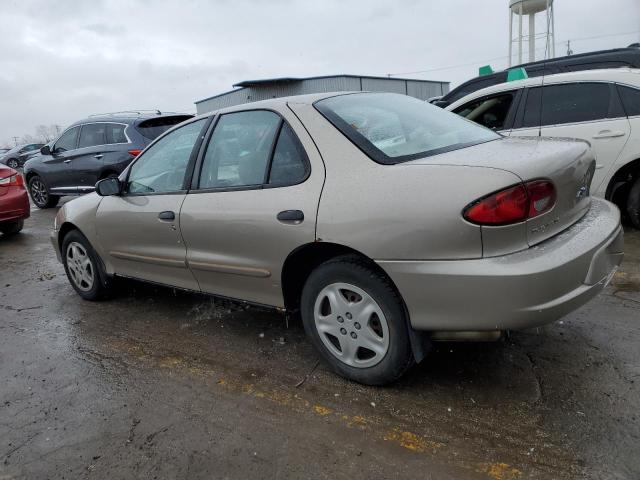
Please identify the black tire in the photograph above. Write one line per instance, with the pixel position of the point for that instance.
(633, 204)
(352, 270)
(39, 193)
(13, 163)
(11, 228)
(102, 286)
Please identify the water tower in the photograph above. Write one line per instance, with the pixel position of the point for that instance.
(522, 8)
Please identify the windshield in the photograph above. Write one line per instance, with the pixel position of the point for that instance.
(393, 128)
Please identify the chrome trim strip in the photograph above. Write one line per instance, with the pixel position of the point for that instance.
(232, 269)
(167, 262)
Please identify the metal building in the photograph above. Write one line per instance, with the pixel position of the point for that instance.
(254, 90)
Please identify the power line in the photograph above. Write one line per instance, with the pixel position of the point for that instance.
(451, 67)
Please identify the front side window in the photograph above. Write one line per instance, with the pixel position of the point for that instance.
(239, 150)
(490, 112)
(67, 140)
(575, 102)
(163, 166)
(393, 128)
(630, 100)
(92, 134)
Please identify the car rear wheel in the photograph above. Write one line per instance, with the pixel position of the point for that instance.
(633, 204)
(10, 228)
(13, 163)
(40, 193)
(84, 268)
(356, 320)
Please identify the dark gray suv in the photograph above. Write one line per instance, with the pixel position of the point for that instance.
(90, 150)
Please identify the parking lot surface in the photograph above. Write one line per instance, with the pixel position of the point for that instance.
(158, 383)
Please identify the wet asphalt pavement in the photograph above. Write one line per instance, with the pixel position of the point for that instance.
(158, 383)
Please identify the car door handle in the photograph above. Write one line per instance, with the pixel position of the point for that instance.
(167, 215)
(67, 161)
(609, 134)
(99, 156)
(291, 216)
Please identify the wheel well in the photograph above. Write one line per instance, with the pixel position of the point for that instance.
(621, 182)
(302, 261)
(64, 229)
(29, 177)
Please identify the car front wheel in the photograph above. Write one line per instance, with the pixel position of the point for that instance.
(83, 267)
(40, 193)
(356, 320)
(13, 163)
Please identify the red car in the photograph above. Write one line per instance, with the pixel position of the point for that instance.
(14, 201)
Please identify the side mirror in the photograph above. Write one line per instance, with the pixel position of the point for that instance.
(46, 150)
(108, 187)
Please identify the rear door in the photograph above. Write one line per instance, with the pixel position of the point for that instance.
(254, 200)
(589, 111)
(139, 230)
(88, 161)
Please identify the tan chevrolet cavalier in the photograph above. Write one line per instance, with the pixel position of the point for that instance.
(385, 221)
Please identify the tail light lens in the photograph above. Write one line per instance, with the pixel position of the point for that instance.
(14, 180)
(135, 152)
(513, 204)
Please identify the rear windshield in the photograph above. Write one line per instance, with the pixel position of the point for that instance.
(154, 127)
(393, 128)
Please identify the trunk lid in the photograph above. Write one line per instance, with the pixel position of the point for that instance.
(568, 163)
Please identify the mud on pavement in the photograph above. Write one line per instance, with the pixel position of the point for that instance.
(156, 383)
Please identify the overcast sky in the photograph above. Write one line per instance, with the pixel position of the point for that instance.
(63, 60)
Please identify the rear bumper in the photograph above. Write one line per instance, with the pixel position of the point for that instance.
(14, 204)
(520, 290)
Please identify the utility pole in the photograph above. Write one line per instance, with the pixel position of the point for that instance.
(569, 51)
(15, 139)
(57, 129)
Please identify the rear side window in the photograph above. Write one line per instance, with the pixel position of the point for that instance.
(490, 112)
(630, 100)
(289, 164)
(115, 133)
(92, 134)
(575, 102)
(392, 128)
(154, 127)
(239, 150)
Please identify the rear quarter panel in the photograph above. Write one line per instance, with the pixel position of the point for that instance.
(396, 212)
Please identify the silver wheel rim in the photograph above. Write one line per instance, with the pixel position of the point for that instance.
(39, 192)
(80, 267)
(12, 163)
(351, 325)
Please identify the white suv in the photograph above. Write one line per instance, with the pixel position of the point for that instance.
(600, 106)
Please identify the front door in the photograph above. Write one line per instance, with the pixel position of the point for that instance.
(254, 200)
(139, 230)
(58, 164)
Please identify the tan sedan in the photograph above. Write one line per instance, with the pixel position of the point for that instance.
(385, 221)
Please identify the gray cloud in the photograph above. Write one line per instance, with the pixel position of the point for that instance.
(61, 61)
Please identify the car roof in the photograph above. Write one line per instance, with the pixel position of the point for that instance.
(127, 117)
(306, 99)
(630, 76)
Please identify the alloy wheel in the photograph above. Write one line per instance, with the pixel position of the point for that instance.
(39, 191)
(80, 267)
(351, 325)
(13, 163)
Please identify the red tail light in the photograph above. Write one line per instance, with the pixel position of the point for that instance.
(14, 180)
(513, 204)
(135, 152)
